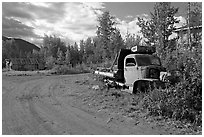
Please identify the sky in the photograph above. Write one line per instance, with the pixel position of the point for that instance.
(72, 21)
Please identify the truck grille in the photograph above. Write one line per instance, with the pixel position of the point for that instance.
(154, 73)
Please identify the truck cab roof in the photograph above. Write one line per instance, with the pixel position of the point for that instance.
(145, 59)
(124, 52)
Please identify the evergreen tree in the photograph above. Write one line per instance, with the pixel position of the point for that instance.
(132, 40)
(67, 56)
(74, 55)
(60, 57)
(117, 43)
(196, 14)
(82, 56)
(97, 51)
(51, 45)
(89, 50)
(161, 25)
(148, 30)
(104, 32)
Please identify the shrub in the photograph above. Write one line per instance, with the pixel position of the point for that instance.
(177, 102)
(67, 69)
(50, 62)
(82, 68)
(183, 99)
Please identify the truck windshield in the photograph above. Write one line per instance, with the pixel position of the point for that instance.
(147, 60)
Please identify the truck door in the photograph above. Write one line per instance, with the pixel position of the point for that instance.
(130, 71)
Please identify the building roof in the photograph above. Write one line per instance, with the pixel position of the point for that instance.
(186, 28)
(25, 61)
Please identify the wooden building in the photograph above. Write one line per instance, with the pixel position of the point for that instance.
(24, 64)
(182, 35)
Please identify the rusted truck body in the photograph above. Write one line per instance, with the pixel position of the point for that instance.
(135, 69)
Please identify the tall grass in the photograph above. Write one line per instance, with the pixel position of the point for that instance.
(174, 102)
(68, 69)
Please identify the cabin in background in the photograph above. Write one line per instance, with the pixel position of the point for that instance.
(24, 64)
(182, 36)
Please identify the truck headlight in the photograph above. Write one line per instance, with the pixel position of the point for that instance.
(163, 76)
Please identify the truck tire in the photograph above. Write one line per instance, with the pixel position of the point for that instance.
(137, 88)
(141, 86)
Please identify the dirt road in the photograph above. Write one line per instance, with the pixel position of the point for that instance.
(57, 105)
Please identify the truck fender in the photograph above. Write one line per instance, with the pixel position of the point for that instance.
(143, 85)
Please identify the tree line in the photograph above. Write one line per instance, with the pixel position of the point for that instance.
(93, 50)
(108, 41)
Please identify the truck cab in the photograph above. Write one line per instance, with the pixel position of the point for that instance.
(137, 68)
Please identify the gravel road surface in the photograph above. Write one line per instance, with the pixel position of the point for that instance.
(56, 105)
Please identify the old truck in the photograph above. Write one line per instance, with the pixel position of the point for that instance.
(135, 69)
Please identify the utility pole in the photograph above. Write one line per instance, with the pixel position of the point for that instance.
(188, 23)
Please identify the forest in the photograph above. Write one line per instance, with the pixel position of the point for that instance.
(182, 100)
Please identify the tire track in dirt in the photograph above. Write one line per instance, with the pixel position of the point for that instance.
(69, 119)
(34, 114)
(88, 121)
(64, 117)
(73, 121)
(15, 115)
(32, 108)
(20, 113)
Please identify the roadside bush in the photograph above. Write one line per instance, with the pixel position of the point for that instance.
(82, 68)
(107, 64)
(50, 62)
(182, 100)
(174, 102)
(67, 69)
(61, 69)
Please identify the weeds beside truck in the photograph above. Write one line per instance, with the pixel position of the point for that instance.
(135, 70)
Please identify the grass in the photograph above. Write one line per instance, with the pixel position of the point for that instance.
(170, 103)
(65, 69)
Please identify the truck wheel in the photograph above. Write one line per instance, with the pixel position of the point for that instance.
(137, 88)
(140, 86)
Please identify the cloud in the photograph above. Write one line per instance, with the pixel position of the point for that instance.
(128, 26)
(15, 28)
(15, 10)
(129, 17)
(131, 26)
(95, 5)
(21, 10)
(182, 22)
(71, 21)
